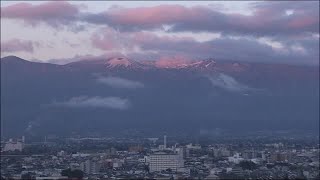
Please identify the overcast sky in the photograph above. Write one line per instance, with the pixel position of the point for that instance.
(275, 32)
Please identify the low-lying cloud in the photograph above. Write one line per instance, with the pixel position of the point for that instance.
(95, 102)
(118, 82)
(228, 83)
(15, 45)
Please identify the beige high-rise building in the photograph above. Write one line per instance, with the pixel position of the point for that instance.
(90, 167)
(163, 161)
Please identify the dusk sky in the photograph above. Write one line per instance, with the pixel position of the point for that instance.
(60, 32)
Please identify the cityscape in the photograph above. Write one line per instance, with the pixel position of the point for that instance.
(167, 157)
(160, 90)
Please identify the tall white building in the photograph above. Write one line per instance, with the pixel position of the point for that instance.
(163, 161)
(12, 146)
(89, 167)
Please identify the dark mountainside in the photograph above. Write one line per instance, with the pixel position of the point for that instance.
(202, 95)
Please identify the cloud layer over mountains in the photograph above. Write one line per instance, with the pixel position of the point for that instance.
(277, 32)
(94, 102)
(267, 18)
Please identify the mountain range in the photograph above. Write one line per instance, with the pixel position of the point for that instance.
(117, 93)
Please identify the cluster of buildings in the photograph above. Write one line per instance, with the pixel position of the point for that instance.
(155, 159)
(12, 145)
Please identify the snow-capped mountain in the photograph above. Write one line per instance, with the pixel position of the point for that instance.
(119, 61)
(196, 64)
(203, 65)
(208, 65)
(123, 62)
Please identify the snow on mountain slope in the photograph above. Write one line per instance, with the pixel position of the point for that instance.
(118, 61)
(124, 63)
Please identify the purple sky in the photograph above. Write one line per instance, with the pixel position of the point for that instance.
(275, 32)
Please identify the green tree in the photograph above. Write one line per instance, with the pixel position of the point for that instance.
(78, 174)
(27, 176)
(66, 172)
(249, 165)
